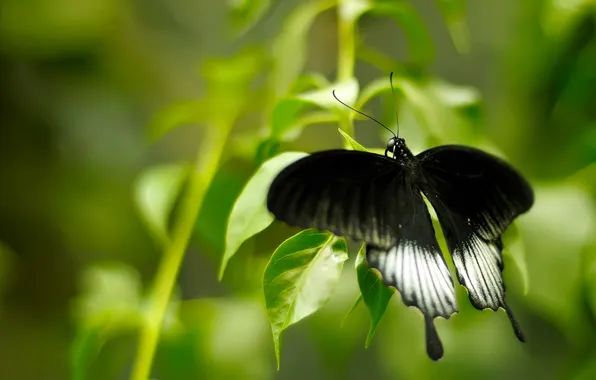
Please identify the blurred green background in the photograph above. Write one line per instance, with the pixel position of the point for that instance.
(105, 104)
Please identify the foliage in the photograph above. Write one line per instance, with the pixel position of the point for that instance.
(122, 230)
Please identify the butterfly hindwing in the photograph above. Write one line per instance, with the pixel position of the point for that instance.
(476, 197)
(415, 265)
(349, 193)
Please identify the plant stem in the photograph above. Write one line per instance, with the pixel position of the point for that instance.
(345, 64)
(210, 150)
(346, 47)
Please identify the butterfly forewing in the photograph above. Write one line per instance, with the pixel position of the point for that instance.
(349, 193)
(477, 186)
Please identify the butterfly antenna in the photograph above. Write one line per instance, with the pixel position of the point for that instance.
(394, 101)
(363, 114)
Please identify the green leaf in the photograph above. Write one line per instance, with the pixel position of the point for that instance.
(300, 278)
(435, 102)
(419, 40)
(355, 144)
(174, 116)
(84, 349)
(284, 115)
(454, 12)
(292, 131)
(288, 120)
(246, 13)
(249, 215)
(559, 16)
(452, 95)
(374, 88)
(289, 48)
(309, 81)
(110, 303)
(267, 149)
(156, 191)
(212, 221)
(230, 84)
(346, 91)
(437, 107)
(375, 294)
(111, 294)
(377, 59)
(514, 248)
(351, 10)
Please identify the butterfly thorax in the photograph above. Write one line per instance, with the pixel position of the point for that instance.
(397, 149)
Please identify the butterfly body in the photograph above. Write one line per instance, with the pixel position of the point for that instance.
(379, 199)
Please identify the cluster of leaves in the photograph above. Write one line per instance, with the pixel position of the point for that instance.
(303, 271)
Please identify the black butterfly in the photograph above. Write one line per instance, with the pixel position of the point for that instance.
(379, 200)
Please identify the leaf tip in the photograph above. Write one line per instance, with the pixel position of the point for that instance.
(370, 335)
(354, 306)
(222, 269)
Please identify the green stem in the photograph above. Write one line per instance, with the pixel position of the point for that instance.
(345, 64)
(346, 47)
(207, 160)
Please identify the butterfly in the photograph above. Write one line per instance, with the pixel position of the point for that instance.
(380, 200)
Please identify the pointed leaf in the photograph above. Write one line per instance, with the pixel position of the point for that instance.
(346, 91)
(300, 278)
(174, 116)
(354, 306)
(285, 112)
(292, 131)
(249, 215)
(156, 192)
(288, 117)
(355, 144)
(375, 294)
(309, 81)
(454, 12)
